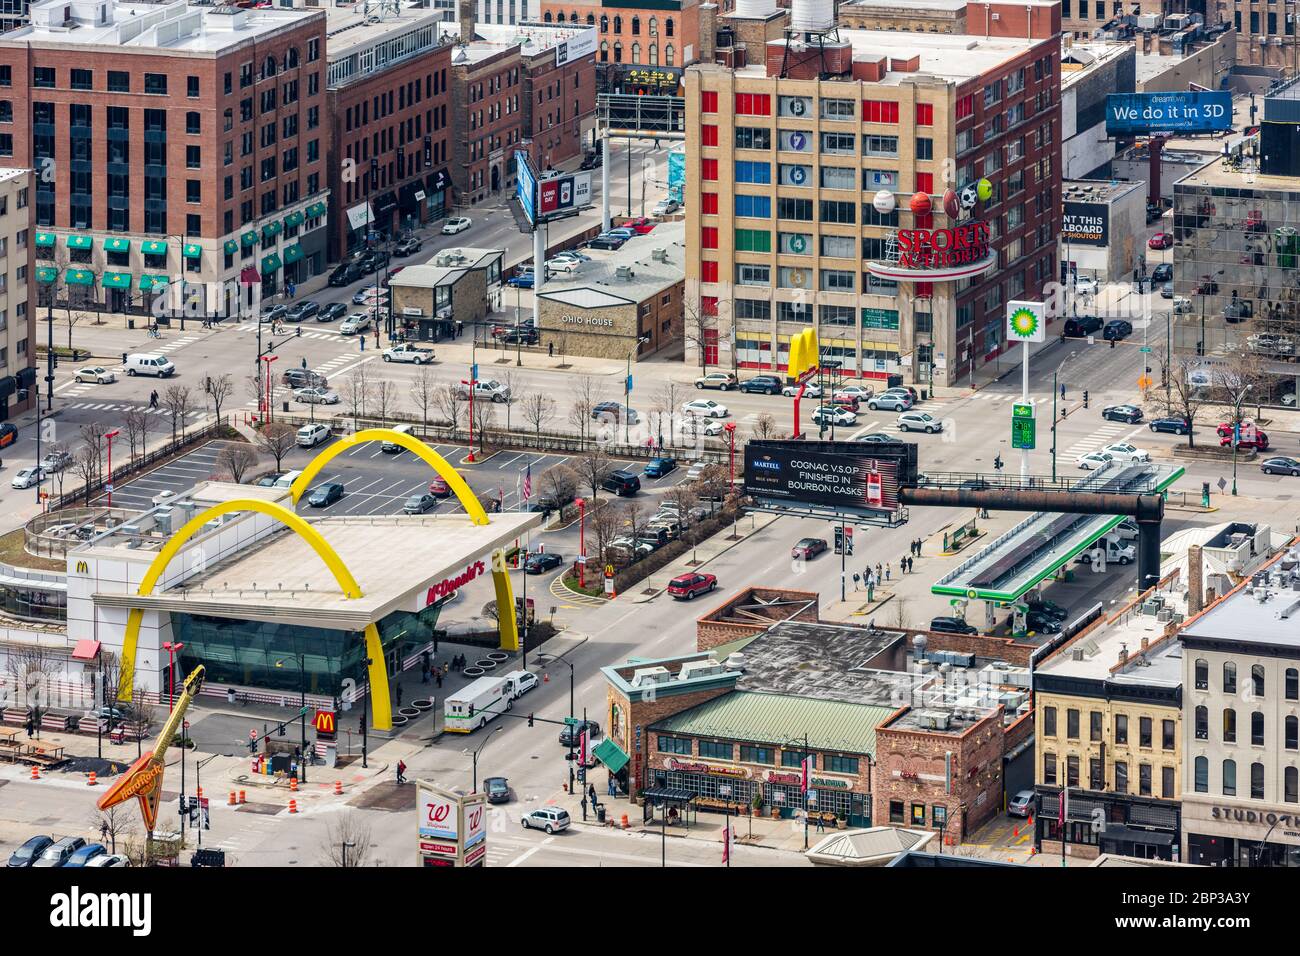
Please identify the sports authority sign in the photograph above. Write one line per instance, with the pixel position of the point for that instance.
(447, 586)
(939, 255)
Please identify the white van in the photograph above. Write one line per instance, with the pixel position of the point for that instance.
(1114, 552)
(521, 682)
(393, 448)
(287, 479)
(149, 363)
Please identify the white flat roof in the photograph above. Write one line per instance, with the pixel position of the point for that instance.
(596, 283)
(364, 23)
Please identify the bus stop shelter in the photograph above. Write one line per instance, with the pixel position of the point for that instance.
(673, 805)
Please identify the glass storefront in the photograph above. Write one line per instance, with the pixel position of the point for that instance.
(1210, 850)
(708, 786)
(32, 604)
(246, 652)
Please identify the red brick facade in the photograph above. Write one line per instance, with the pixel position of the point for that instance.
(558, 101)
(487, 107)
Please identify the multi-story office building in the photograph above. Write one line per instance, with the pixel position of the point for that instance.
(174, 147)
(1109, 707)
(1268, 31)
(487, 108)
(17, 311)
(387, 100)
(1241, 723)
(643, 45)
(814, 193)
(490, 11)
(13, 14)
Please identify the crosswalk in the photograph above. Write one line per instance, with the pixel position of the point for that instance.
(321, 335)
(1106, 434)
(128, 406)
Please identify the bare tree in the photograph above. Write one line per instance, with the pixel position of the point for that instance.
(116, 821)
(219, 390)
(1236, 381)
(61, 267)
(635, 518)
(538, 409)
(605, 524)
(347, 841)
(277, 438)
(666, 405)
(701, 330)
(423, 392)
(594, 467)
(1184, 394)
(485, 415)
(684, 497)
(560, 482)
(447, 400)
(55, 451)
(765, 427)
(178, 402)
(586, 396)
(357, 391)
(135, 422)
(33, 667)
(92, 434)
(237, 458)
(385, 393)
(508, 380)
(712, 483)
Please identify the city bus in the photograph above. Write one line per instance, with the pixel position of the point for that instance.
(474, 705)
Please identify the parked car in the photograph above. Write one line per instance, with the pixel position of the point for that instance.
(874, 438)
(419, 504)
(58, 852)
(808, 548)
(952, 625)
(56, 460)
(1161, 240)
(1126, 452)
(302, 310)
(521, 280)
(1167, 290)
(1094, 459)
(860, 392)
(325, 495)
(686, 586)
(666, 207)
(810, 390)
(335, 310)
(309, 436)
(640, 225)
(1182, 305)
(489, 391)
(845, 400)
(890, 401)
(345, 274)
(1280, 466)
(563, 264)
(96, 375)
(706, 407)
(371, 296)
(408, 352)
(763, 384)
(1258, 440)
(1042, 623)
(27, 477)
(593, 160)
(659, 467)
(607, 241)
(439, 488)
(833, 415)
(1176, 426)
(919, 421)
(1044, 606)
(614, 412)
(1083, 325)
(1164, 272)
(550, 819)
(623, 232)
(29, 852)
(303, 378)
(85, 854)
(1130, 414)
(109, 859)
(1115, 551)
(316, 395)
(622, 483)
(1117, 329)
(1021, 805)
(539, 562)
(497, 789)
(456, 224)
(571, 733)
(719, 380)
(408, 247)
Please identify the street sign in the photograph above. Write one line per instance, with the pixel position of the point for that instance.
(1145, 348)
(1222, 484)
(1023, 434)
(571, 721)
(473, 372)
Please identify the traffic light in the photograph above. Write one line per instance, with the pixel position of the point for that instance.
(280, 730)
(530, 720)
(1085, 398)
(252, 745)
(997, 462)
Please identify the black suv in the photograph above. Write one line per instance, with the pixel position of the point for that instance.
(1164, 272)
(1117, 329)
(764, 384)
(1083, 325)
(304, 378)
(622, 483)
(345, 274)
(951, 625)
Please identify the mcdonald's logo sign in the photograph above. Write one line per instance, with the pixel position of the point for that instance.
(324, 722)
(83, 567)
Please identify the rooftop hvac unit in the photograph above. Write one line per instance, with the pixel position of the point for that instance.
(933, 719)
(735, 662)
(131, 529)
(705, 668)
(650, 675)
(812, 16)
(659, 255)
(163, 520)
(1148, 21)
(624, 272)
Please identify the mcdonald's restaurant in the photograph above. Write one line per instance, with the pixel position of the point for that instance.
(271, 604)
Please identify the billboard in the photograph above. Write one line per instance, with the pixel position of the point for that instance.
(1086, 224)
(1139, 114)
(842, 476)
(581, 44)
(676, 174)
(563, 195)
(525, 185)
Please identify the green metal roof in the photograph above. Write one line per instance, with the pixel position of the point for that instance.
(610, 754)
(154, 247)
(117, 244)
(117, 280)
(775, 718)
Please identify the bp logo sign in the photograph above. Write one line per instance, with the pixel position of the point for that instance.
(1025, 322)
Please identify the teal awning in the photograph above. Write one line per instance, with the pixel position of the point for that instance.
(271, 230)
(154, 247)
(152, 282)
(610, 754)
(117, 245)
(231, 247)
(46, 274)
(294, 219)
(44, 240)
(117, 280)
(249, 238)
(316, 210)
(292, 254)
(81, 242)
(270, 263)
(79, 277)
(192, 250)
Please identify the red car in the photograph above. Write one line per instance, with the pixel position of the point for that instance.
(641, 225)
(1259, 440)
(1161, 240)
(439, 488)
(843, 400)
(686, 586)
(808, 548)
(392, 272)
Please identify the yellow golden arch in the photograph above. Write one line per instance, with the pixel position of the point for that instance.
(805, 354)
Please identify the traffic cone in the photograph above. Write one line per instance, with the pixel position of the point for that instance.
(199, 794)
(293, 806)
(293, 784)
(242, 798)
(546, 678)
(92, 781)
(623, 822)
(338, 788)
(233, 800)
(36, 772)
(1015, 831)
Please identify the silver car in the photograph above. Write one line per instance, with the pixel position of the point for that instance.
(316, 395)
(550, 819)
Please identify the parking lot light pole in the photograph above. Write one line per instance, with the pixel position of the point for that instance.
(582, 542)
(109, 484)
(302, 703)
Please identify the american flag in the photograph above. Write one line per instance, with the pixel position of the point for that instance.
(528, 482)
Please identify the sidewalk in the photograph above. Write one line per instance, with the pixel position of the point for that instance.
(701, 555)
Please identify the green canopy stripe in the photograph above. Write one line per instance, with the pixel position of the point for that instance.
(294, 219)
(80, 242)
(46, 274)
(231, 247)
(316, 210)
(192, 250)
(270, 263)
(153, 247)
(271, 229)
(249, 238)
(117, 245)
(292, 253)
(117, 280)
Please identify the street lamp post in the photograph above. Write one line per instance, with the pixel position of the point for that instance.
(475, 753)
(268, 359)
(582, 542)
(366, 662)
(109, 485)
(1236, 432)
(544, 660)
(302, 714)
(198, 784)
(627, 390)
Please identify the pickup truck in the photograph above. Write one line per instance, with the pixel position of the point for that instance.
(485, 391)
(406, 352)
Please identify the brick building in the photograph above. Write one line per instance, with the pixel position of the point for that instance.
(185, 148)
(487, 117)
(643, 46)
(387, 97)
(832, 149)
(17, 280)
(455, 286)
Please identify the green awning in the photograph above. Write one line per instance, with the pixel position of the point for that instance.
(271, 230)
(270, 263)
(117, 245)
(610, 754)
(79, 277)
(81, 242)
(249, 238)
(292, 253)
(44, 240)
(294, 219)
(192, 250)
(152, 282)
(316, 210)
(231, 247)
(153, 247)
(46, 274)
(117, 280)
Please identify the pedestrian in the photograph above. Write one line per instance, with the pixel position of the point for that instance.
(857, 579)
(550, 349)
(1062, 391)
(611, 789)
(909, 565)
(584, 806)
(30, 726)
(591, 792)
(424, 673)
(821, 824)
(460, 328)
(880, 574)
(401, 771)
(886, 572)
(153, 399)
(304, 358)
(902, 565)
(438, 675)
(103, 831)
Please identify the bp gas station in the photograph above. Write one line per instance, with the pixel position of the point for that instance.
(275, 604)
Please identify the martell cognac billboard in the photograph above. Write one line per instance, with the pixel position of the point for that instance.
(837, 475)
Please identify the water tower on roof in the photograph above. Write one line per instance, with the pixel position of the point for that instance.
(812, 24)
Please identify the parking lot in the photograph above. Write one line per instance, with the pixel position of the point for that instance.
(175, 476)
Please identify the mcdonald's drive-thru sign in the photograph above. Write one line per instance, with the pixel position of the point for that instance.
(325, 723)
